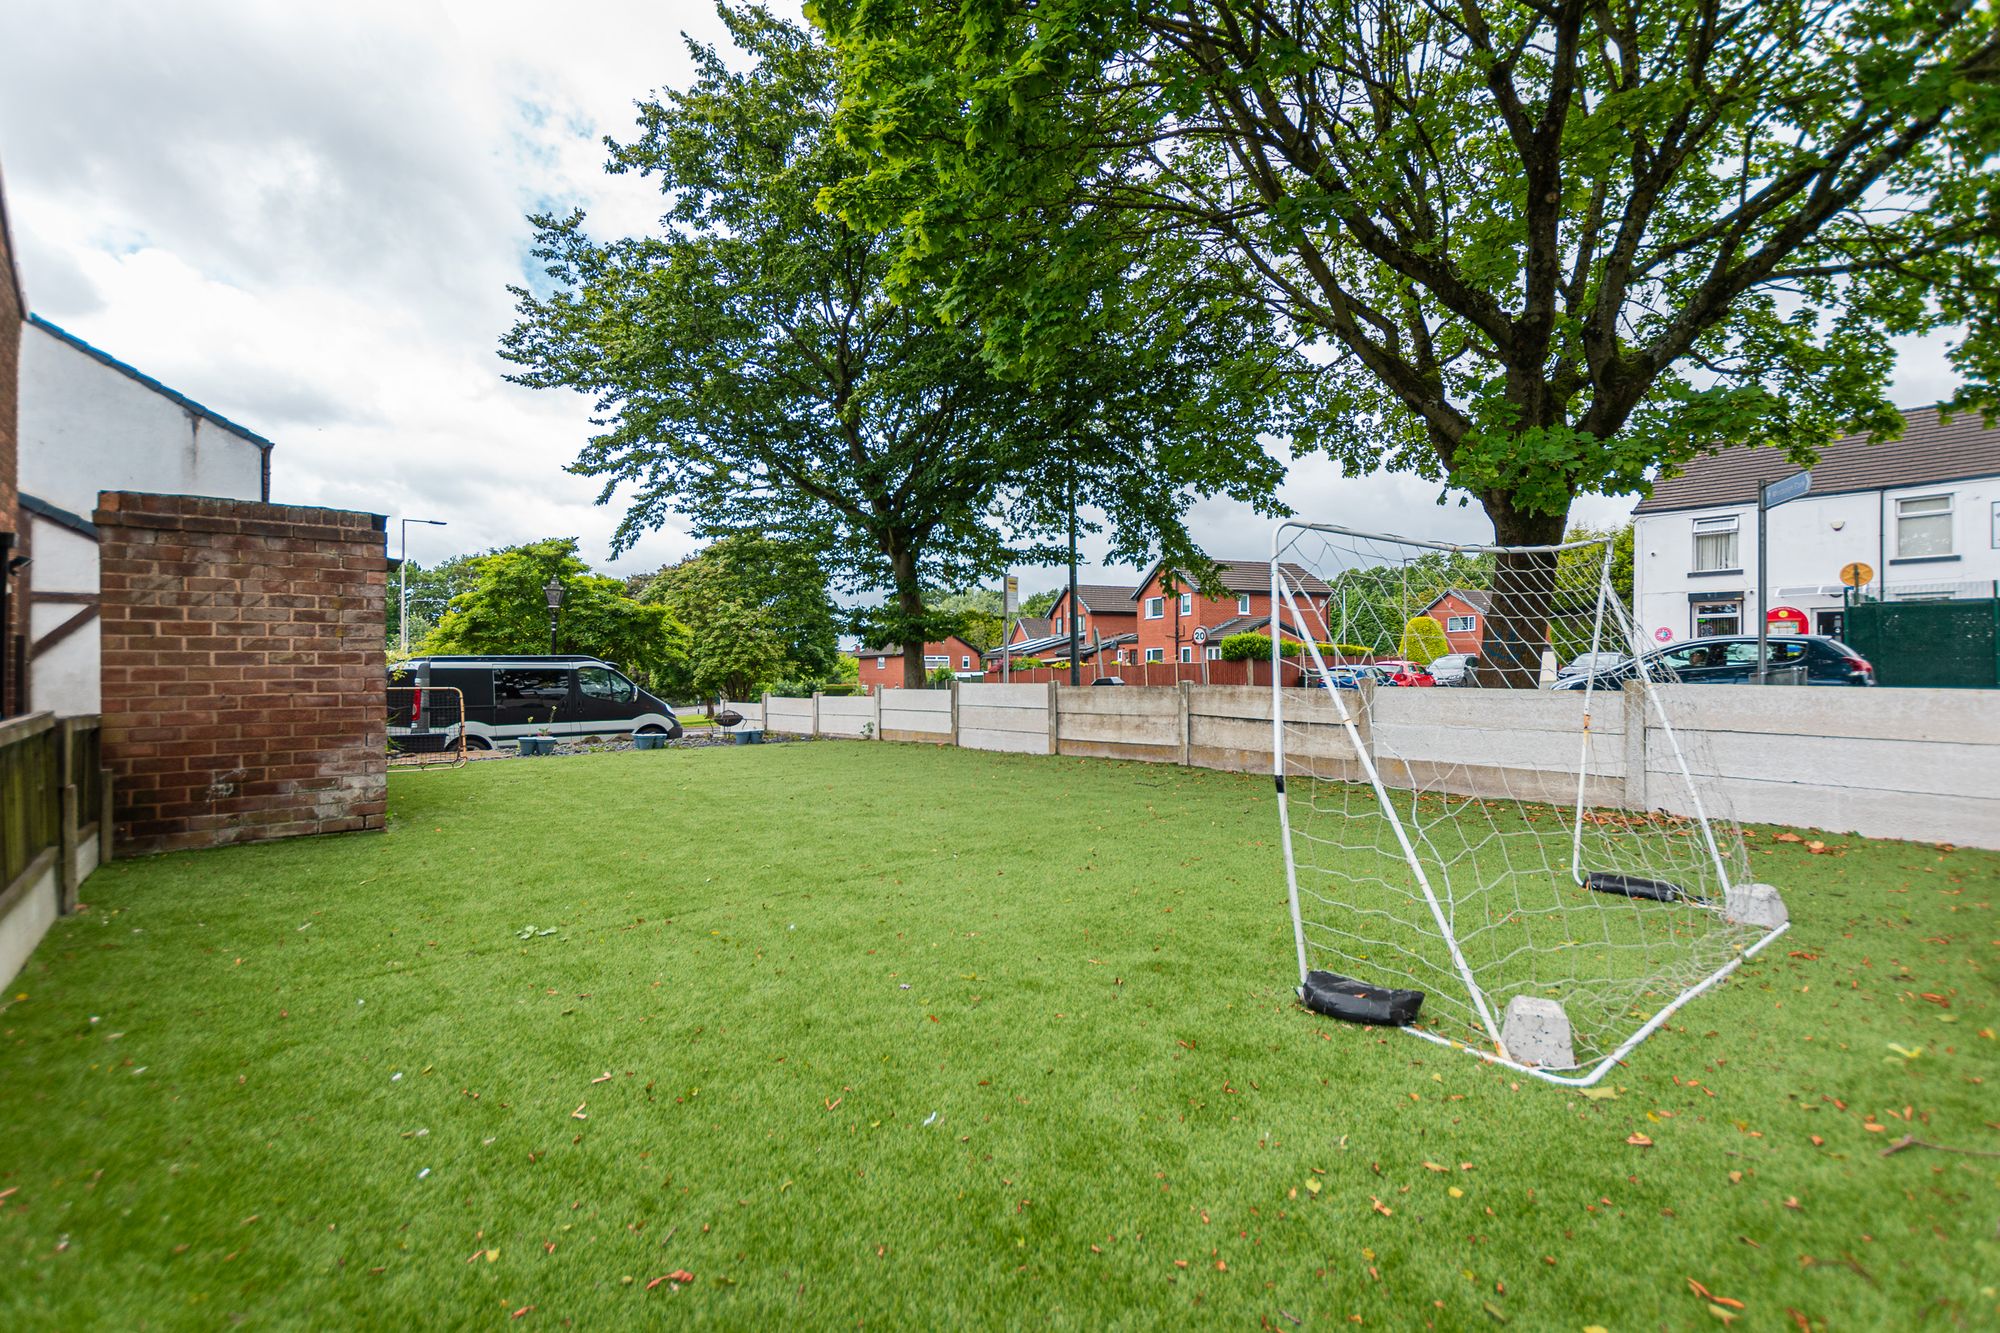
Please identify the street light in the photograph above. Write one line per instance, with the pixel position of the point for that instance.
(403, 580)
(553, 591)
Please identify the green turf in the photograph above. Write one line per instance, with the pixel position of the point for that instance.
(319, 1083)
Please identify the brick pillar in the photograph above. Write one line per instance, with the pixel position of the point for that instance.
(244, 674)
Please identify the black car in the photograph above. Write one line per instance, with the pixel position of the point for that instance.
(510, 697)
(1732, 660)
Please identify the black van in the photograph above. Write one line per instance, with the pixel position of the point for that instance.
(510, 697)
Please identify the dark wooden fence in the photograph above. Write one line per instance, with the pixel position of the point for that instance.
(55, 799)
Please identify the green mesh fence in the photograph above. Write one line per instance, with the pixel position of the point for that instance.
(1950, 645)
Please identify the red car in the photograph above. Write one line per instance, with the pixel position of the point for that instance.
(1395, 671)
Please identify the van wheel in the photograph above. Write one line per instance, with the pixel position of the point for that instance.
(478, 743)
(651, 729)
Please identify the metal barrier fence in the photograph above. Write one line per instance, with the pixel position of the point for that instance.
(1945, 644)
(426, 727)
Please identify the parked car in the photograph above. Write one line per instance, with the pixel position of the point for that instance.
(510, 697)
(1592, 662)
(1108, 680)
(1396, 671)
(1454, 668)
(1732, 660)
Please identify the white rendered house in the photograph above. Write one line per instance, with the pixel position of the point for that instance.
(1921, 514)
(89, 423)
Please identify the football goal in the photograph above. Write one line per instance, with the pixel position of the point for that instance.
(1499, 831)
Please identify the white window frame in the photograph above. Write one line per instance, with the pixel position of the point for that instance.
(1156, 608)
(932, 661)
(1947, 512)
(1187, 652)
(881, 664)
(1056, 625)
(1461, 624)
(1729, 525)
(1187, 603)
(1214, 653)
(965, 661)
(1156, 654)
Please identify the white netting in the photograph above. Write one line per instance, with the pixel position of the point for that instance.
(1484, 843)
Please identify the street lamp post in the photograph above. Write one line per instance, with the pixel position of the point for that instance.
(553, 591)
(403, 580)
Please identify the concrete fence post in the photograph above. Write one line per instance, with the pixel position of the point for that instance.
(876, 695)
(1635, 745)
(1365, 723)
(1055, 720)
(815, 716)
(954, 713)
(1186, 705)
(764, 712)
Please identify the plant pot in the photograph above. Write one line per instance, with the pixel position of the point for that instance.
(538, 744)
(748, 736)
(650, 740)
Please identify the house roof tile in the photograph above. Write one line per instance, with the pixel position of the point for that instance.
(1929, 450)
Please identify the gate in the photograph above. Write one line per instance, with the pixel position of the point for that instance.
(426, 727)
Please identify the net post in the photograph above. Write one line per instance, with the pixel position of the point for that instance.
(1589, 694)
(1278, 763)
(1365, 752)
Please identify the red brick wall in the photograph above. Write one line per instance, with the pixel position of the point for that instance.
(244, 681)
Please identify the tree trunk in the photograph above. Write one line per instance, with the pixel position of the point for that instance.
(910, 599)
(1517, 622)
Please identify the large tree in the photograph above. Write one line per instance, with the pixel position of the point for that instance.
(755, 371)
(1548, 248)
(756, 611)
(504, 610)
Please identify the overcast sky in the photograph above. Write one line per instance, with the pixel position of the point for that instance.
(306, 218)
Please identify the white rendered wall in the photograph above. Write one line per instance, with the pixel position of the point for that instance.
(85, 428)
(1810, 541)
(64, 679)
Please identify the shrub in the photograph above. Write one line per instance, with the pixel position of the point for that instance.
(1424, 641)
(1257, 647)
(941, 678)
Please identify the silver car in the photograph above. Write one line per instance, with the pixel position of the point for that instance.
(1453, 668)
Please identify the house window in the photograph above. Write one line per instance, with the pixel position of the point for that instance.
(1713, 618)
(1156, 654)
(1460, 624)
(932, 661)
(880, 663)
(1187, 603)
(1187, 652)
(965, 662)
(1923, 526)
(1242, 603)
(1214, 653)
(1715, 545)
(1156, 607)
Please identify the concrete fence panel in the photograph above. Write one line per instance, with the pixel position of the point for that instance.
(850, 716)
(752, 712)
(793, 716)
(1137, 722)
(1229, 727)
(916, 715)
(1519, 744)
(1016, 718)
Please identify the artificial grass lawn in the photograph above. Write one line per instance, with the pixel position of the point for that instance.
(920, 1038)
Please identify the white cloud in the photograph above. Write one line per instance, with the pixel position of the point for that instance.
(306, 217)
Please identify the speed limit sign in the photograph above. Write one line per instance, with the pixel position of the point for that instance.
(1200, 634)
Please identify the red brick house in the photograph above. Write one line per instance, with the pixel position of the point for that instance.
(1103, 611)
(1170, 610)
(882, 668)
(1027, 629)
(1462, 612)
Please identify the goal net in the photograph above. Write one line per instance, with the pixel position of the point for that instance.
(1498, 830)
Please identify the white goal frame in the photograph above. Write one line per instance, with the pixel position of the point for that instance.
(1284, 594)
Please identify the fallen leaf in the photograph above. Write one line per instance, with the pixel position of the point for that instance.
(1312, 1184)
(605, 1077)
(578, 1114)
(1597, 1094)
(1638, 1141)
(1381, 1207)
(1433, 1166)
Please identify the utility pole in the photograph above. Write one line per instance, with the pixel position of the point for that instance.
(1770, 494)
(403, 580)
(1075, 639)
